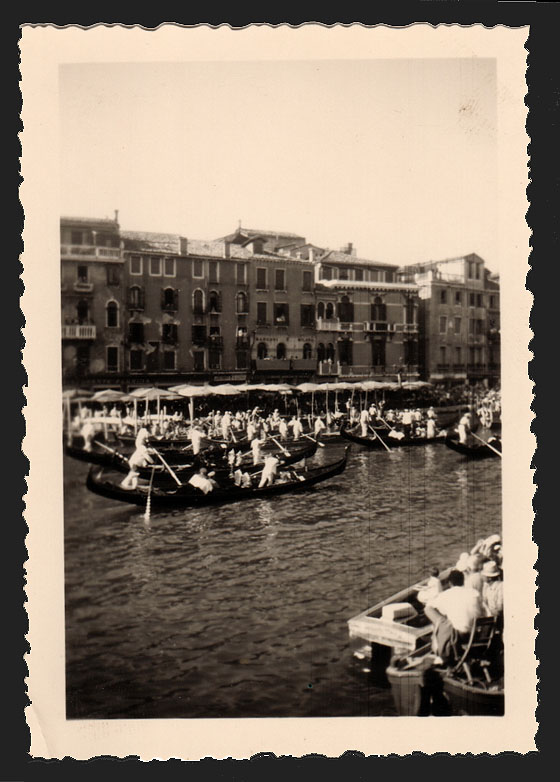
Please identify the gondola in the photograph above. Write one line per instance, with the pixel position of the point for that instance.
(119, 462)
(478, 451)
(390, 442)
(103, 458)
(188, 497)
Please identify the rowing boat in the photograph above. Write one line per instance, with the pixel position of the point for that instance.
(187, 496)
(391, 442)
(474, 451)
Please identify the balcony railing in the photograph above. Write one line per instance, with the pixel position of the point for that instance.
(90, 251)
(83, 287)
(78, 332)
(272, 364)
(329, 367)
(334, 324)
(304, 364)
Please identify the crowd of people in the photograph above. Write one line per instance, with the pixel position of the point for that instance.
(475, 590)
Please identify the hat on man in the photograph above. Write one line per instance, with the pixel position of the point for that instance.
(490, 569)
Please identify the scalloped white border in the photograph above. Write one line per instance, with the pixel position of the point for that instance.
(43, 48)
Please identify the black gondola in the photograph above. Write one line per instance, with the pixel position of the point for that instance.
(390, 442)
(189, 497)
(478, 451)
(117, 461)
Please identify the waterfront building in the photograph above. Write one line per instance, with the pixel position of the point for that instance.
(459, 318)
(366, 319)
(91, 297)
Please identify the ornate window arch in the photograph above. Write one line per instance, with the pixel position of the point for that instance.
(321, 353)
(280, 350)
(262, 350)
(307, 350)
(321, 310)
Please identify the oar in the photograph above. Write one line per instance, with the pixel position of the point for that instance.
(168, 468)
(274, 440)
(321, 445)
(380, 440)
(487, 444)
(383, 421)
(149, 500)
(111, 450)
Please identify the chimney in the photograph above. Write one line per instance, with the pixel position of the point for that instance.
(183, 245)
(311, 254)
(227, 248)
(116, 215)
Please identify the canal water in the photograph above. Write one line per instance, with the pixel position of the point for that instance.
(241, 610)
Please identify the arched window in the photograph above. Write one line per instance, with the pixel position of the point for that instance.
(214, 302)
(262, 350)
(321, 352)
(320, 310)
(330, 352)
(112, 315)
(198, 302)
(280, 350)
(307, 350)
(241, 302)
(378, 309)
(329, 311)
(82, 311)
(169, 299)
(136, 297)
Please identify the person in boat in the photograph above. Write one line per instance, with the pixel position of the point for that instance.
(140, 458)
(242, 479)
(269, 471)
(492, 589)
(256, 443)
(203, 480)
(452, 613)
(318, 427)
(431, 430)
(433, 587)
(464, 428)
(407, 422)
(196, 438)
(88, 433)
(364, 422)
(226, 425)
(297, 428)
(283, 430)
(142, 437)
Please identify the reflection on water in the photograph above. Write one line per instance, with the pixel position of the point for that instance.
(241, 610)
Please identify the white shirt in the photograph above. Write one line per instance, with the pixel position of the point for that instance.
(201, 482)
(460, 604)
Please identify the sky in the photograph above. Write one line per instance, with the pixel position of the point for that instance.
(398, 157)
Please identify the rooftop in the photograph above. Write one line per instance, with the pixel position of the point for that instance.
(90, 222)
(336, 257)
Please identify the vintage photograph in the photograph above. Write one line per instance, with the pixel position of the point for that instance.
(280, 388)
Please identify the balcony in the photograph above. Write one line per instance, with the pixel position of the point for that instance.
(272, 365)
(91, 252)
(379, 326)
(83, 287)
(334, 324)
(328, 368)
(78, 332)
(304, 364)
(410, 328)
